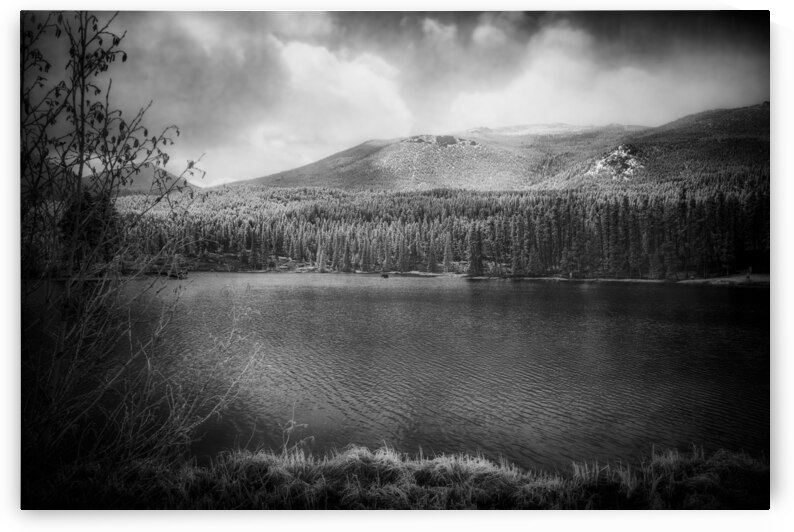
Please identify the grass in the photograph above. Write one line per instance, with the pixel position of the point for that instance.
(359, 478)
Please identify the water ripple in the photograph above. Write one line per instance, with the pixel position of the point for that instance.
(537, 373)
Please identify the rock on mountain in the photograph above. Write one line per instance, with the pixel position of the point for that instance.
(620, 163)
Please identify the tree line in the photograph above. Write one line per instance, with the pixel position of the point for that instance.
(605, 231)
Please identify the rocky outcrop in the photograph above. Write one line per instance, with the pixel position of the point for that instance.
(621, 163)
(440, 140)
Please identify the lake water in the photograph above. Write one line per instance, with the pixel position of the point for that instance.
(538, 373)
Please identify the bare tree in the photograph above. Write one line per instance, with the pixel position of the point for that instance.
(93, 392)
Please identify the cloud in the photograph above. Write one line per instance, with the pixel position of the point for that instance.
(202, 75)
(302, 25)
(438, 33)
(497, 29)
(253, 102)
(488, 35)
(329, 103)
(564, 78)
(339, 99)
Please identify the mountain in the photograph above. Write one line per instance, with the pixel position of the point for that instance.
(721, 146)
(697, 147)
(144, 182)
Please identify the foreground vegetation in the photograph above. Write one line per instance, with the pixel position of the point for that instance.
(358, 478)
(93, 388)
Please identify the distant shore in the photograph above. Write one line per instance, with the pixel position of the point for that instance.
(732, 280)
(755, 279)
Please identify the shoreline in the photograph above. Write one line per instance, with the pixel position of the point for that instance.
(756, 280)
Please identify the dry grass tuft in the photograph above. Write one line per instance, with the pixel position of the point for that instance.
(359, 478)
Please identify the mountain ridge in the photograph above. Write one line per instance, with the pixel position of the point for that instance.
(553, 155)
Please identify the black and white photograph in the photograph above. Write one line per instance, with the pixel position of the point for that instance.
(395, 260)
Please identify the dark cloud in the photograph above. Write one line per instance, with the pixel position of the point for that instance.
(207, 73)
(653, 33)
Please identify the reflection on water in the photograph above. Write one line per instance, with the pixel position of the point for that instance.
(539, 373)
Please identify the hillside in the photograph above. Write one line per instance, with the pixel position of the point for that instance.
(142, 183)
(703, 147)
(482, 159)
(721, 147)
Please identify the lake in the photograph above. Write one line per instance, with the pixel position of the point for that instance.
(538, 373)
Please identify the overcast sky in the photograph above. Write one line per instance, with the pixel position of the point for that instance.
(264, 92)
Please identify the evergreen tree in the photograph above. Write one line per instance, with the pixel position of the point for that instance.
(474, 239)
(447, 255)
